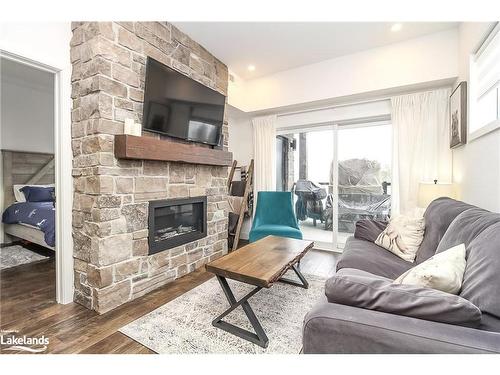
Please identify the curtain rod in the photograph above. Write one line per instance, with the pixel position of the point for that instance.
(368, 121)
(366, 101)
(334, 106)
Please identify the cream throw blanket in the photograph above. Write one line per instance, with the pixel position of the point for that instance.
(234, 203)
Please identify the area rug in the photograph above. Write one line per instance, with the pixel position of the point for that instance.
(184, 325)
(12, 256)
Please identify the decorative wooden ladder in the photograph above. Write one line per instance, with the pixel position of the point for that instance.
(247, 177)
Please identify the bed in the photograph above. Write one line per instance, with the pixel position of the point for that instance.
(28, 233)
(31, 221)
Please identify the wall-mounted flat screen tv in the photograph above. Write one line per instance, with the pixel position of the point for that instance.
(180, 107)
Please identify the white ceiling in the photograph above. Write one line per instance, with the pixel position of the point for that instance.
(276, 46)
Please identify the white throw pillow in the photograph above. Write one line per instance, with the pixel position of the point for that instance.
(443, 271)
(402, 236)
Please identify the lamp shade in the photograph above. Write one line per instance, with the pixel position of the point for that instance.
(428, 191)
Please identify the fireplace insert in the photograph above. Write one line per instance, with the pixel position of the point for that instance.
(174, 222)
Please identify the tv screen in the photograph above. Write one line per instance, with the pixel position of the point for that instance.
(180, 107)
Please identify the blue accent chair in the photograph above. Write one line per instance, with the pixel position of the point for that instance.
(274, 215)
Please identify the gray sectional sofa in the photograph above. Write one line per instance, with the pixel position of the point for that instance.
(340, 328)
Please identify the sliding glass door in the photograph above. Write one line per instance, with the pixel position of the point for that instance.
(338, 175)
(363, 176)
(303, 165)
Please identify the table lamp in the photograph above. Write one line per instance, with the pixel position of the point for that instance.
(428, 191)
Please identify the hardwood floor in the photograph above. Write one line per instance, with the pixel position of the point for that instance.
(27, 305)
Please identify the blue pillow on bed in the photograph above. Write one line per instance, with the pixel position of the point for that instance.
(38, 193)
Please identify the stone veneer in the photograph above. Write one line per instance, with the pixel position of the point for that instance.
(110, 212)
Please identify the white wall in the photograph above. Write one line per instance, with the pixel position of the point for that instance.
(241, 145)
(49, 43)
(476, 166)
(27, 102)
(425, 59)
(45, 42)
(241, 139)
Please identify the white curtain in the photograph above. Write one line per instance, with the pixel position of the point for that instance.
(264, 146)
(420, 146)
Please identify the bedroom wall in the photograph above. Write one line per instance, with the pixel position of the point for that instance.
(476, 165)
(27, 102)
(19, 167)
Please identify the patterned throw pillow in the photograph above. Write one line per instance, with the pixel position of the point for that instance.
(403, 236)
(444, 271)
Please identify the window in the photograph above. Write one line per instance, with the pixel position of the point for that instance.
(485, 86)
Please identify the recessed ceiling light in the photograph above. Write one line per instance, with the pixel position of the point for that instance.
(396, 27)
(251, 68)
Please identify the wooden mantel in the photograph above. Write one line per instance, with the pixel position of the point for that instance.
(149, 148)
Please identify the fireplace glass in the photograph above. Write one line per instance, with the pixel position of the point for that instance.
(175, 222)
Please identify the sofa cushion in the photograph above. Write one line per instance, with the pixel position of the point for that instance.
(490, 323)
(482, 272)
(367, 256)
(466, 227)
(369, 230)
(438, 217)
(365, 290)
(480, 231)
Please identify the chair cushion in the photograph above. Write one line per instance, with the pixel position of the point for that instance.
(438, 217)
(367, 256)
(275, 207)
(273, 229)
(365, 290)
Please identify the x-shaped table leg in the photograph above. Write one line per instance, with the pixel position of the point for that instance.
(259, 337)
(303, 282)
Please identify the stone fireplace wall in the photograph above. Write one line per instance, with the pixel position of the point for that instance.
(110, 213)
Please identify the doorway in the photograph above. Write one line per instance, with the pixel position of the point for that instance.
(340, 174)
(28, 181)
(59, 161)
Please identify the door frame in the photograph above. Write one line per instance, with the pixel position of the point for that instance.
(285, 149)
(63, 179)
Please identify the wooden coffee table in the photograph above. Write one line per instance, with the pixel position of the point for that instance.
(261, 263)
